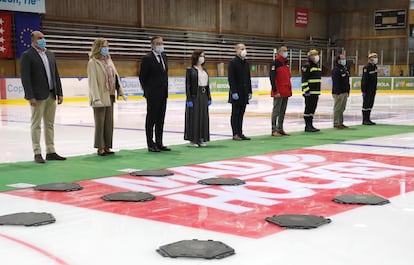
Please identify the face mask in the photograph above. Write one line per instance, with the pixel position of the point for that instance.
(316, 59)
(343, 62)
(375, 60)
(41, 43)
(159, 49)
(285, 54)
(243, 53)
(104, 51)
(201, 60)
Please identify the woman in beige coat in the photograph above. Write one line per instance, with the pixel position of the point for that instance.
(104, 83)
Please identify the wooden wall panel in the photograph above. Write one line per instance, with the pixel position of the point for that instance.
(317, 25)
(250, 17)
(8, 67)
(352, 5)
(351, 25)
(411, 17)
(120, 11)
(180, 14)
(316, 5)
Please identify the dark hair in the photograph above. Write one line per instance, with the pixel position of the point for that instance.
(195, 55)
(338, 57)
(154, 38)
(282, 45)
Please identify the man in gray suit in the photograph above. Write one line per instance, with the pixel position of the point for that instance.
(41, 83)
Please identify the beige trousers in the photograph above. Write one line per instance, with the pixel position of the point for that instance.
(44, 109)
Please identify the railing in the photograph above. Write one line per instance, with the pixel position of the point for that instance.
(75, 40)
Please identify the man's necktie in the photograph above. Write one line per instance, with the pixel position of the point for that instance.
(161, 62)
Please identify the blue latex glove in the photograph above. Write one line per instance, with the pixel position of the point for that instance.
(209, 102)
(249, 96)
(235, 96)
(363, 94)
(307, 94)
(189, 104)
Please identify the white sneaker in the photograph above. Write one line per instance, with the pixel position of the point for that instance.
(193, 145)
(202, 144)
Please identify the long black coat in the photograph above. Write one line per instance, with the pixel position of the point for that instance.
(239, 80)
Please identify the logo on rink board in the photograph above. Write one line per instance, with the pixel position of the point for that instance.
(302, 181)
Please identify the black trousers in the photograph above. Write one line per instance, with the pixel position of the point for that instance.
(311, 102)
(368, 100)
(155, 120)
(237, 113)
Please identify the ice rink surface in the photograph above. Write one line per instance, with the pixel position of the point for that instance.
(368, 235)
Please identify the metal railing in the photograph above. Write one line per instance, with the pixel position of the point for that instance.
(74, 40)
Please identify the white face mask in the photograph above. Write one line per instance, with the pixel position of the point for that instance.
(201, 60)
(316, 59)
(243, 53)
(375, 60)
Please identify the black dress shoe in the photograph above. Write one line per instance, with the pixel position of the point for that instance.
(54, 156)
(153, 149)
(164, 148)
(101, 153)
(244, 137)
(109, 152)
(39, 159)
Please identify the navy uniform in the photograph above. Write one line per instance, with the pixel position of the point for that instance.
(369, 88)
(311, 88)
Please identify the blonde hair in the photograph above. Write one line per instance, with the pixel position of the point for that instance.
(96, 47)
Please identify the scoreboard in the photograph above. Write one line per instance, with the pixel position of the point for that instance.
(390, 19)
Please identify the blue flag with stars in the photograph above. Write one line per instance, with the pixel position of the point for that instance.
(25, 24)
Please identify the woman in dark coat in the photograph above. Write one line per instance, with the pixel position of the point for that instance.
(197, 129)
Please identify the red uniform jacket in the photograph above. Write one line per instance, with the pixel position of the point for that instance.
(280, 77)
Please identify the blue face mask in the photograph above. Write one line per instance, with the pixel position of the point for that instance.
(343, 62)
(41, 43)
(285, 54)
(159, 49)
(105, 51)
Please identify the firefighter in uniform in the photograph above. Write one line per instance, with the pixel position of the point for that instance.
(311, 88)
(369, 88)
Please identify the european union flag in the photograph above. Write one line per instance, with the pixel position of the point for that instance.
(25, 24)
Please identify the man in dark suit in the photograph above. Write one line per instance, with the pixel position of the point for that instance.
(41, 83)
(240, 91)
(154, 81)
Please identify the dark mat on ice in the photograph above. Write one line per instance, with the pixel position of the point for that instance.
(221, 181)
(298, 221)
(58, 187)
(27, 219)
(207, 249)
(151, 173)
(129, 196)
(360, 199)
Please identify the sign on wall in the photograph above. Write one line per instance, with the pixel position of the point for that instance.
(390, 19)
(301, 17)
(31, 6)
